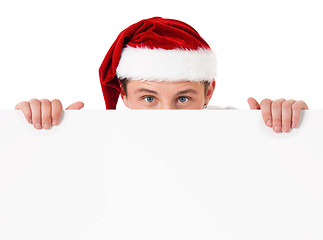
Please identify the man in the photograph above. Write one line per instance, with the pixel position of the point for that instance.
(160, 63)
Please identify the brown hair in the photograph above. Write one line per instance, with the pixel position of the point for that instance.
(124, 82)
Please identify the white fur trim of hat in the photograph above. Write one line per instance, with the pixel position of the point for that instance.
(167, 65)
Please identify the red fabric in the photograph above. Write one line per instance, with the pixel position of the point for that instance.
(152, 33)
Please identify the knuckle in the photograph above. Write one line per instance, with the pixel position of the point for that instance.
(56, 101)
(22, 105)
(302, 103)
(57, 105)
(45, 101)
(296, 107)
(277, 103)
(265, 101)
(286, 105)
(34, 100)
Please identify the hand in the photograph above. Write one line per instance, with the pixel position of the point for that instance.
(279, 114)
(44, 113)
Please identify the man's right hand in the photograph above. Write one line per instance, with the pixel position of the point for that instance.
(44, 113)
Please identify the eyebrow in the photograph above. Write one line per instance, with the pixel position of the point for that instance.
(146, 90)
(154, 92)
(186, 91)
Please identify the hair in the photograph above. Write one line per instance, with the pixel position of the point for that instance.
(125, 81)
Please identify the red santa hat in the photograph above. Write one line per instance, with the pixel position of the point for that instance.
(155, 49)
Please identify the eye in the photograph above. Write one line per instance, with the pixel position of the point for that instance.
(149, 98)
(183, 99)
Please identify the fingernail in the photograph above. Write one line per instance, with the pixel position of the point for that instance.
(46, 126)
(277, 128)
(55, 122)
(285, 128)
(30, 121)
(38, 125)
(268, 123)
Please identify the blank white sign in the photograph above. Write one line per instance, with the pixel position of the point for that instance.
(187, 174)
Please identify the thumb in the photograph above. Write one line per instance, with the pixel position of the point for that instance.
(75, 106)
(253, 104)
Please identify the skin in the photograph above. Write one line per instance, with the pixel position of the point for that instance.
(166, 95)
(280, 114)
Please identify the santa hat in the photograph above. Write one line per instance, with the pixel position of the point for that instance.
(155, 49)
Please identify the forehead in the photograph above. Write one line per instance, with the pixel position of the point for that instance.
(134, 84)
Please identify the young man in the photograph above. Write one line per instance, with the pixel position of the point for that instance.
(160, 63)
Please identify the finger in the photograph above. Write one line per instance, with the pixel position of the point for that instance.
(46, 113)
(57, 109)
(36, 113)
(296, 108)
(75, 106)
(287, 115)
(253, 104)
(277, 114)
(265, 106)
(25, 108)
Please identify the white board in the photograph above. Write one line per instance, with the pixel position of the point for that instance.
(160, 175)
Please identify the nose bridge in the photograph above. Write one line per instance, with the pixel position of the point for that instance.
(167, 105)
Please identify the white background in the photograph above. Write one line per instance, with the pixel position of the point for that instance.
(265, 49)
